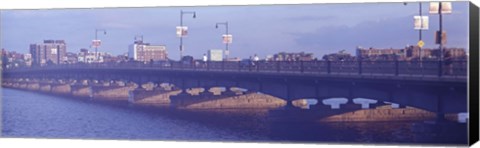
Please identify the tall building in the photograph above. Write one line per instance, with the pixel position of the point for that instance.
(144, 52)
(51, 51)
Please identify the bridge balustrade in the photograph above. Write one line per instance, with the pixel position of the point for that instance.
(378, 68)
(313, 67)
(417, 68)
(396, 68)
(344, 67)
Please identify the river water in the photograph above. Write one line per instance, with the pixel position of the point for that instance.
(33, 115)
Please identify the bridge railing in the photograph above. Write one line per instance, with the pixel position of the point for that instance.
(392, 68)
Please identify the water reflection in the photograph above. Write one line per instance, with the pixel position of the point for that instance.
(29, 114)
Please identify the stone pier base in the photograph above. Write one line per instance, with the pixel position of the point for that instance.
(81, 91)
(142, 96)
(61, 89)
(111, 92)
(45, 88)
(33, 86)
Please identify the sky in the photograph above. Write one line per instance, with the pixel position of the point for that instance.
(256, 29)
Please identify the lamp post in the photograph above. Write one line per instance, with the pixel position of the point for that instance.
(182, 31)
(420, 32)
(97, 42)
(226, 36)
(422, 26)
(440, 30)
(440, 8)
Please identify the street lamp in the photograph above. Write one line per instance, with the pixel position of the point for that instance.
(96, 42)
(440, 8)
(422, 25)
(182, 29)
(226, 36)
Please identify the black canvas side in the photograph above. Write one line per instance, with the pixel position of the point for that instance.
(474, 74)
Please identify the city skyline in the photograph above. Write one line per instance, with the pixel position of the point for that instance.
(319, 29)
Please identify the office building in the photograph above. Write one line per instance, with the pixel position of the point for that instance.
(144, 52)
(49, 52)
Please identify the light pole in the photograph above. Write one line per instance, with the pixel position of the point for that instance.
(420, 28)
(440, 8)
(181, 25)
(226, 36)
(440, 30)
(97, 43)
(420, 32)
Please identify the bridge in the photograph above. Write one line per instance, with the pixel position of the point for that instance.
(429, 85)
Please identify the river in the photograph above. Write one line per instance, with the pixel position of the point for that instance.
(34, 115)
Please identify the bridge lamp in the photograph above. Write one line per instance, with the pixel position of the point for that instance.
(97, 42)
(182, 31)
(226, 37)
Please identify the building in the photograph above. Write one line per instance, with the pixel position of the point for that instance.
(71, 58)
(374, 54)
(13, 59)
(85, 56)
(457, 53)
(409, 53)
(27, 58)
(49, 52)
(300, 56)
(340, 56)
(215, 55)
(144, 52)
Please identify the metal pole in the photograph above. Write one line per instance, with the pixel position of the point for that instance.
(441, 31)
(181, 25)
(226, 32)
(96, 38)
(421, 22)
(181, 35)
(420, 32)
(96, 47)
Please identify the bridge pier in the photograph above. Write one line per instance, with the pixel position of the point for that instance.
(34, 86)
(23, 85)
(112, 92)
(153, 97)
(247, 101)
(45, 87)
(378, 104)
(440, 110)
(80, 90)
(206, 92)
(179, 99)
(289, 105)
(61, 89)
(230, 92)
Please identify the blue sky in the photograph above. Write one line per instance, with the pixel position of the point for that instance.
(261, 29)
